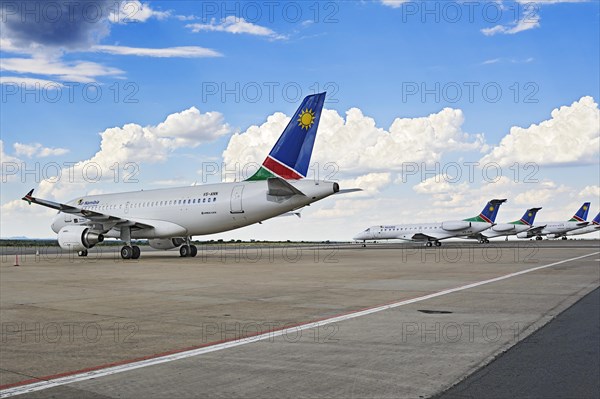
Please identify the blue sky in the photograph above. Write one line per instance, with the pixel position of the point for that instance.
(170, 61)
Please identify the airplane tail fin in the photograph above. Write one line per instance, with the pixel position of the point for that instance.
(488, 214)
(582, 213)
(290, 157)
(596, 220)
(528, 217)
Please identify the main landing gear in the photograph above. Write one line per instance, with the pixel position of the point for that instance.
(431, 243)
(129, 251)
(188, 250)
(82, 253)
(484, 241)
(538, 238)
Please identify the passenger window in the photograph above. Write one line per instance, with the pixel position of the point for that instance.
(209, 200)
(204, 200)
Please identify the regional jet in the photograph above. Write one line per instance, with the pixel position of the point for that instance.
(595, 226)
(168, 218)
(433, 233)
(508, 229)
(558, 229)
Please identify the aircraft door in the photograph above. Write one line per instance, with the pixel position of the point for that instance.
(236, 199)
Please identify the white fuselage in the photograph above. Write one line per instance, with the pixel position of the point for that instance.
(557, 227)
(505, 229)
(419, 232)
(584, 230)
(195, 210)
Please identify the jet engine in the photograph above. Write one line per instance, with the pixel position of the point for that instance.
(78, 238)
(554, 235)
(166, 243)
(524, 234)
(503, 227)
(456, 225)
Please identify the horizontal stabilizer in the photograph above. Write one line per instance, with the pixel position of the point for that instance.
(281, 188)
(349, 190)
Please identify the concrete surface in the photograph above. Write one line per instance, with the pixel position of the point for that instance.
(560, 360)
(63, 314)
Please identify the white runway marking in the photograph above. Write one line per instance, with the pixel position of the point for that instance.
(77, 377)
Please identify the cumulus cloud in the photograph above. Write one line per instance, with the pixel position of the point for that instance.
(135, 11)
(357, 145)
(371, 183)
(38, 150)
(542, 192)
(591, 192)
(233, 24)
(68, 24)
(45, 31)
(570, 136)
(5, 157)
(133, 143)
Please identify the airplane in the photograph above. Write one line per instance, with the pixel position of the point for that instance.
(558, 229)
(507, 229)
(595, 226)
(433, 233)
(168, 218)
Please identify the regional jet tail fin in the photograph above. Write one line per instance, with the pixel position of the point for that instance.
(290, 157)
(582, 213)
(488, 214)
(528, 217)
(596, 221)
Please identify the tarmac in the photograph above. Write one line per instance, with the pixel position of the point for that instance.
(331, 320)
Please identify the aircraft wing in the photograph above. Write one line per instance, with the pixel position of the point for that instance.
(431, 236)
(535, 230)
(107, 221)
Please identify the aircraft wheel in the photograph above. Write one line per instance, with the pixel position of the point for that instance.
(82, 253)
(126, 252)
(428, 244)
(136, 252)
(438, 244)
(564, 238)
(486, 241)
(538, 238)
(184, 251)
(193, 251)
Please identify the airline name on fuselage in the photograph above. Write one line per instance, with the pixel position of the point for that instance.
(82, 202)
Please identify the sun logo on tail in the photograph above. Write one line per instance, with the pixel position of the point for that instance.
(491, 209)
(306, 119)
(585, 207)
